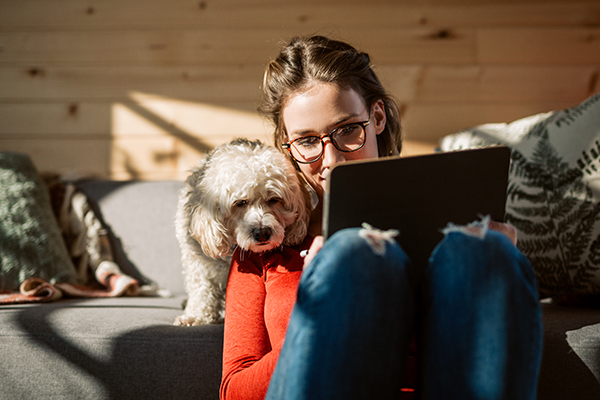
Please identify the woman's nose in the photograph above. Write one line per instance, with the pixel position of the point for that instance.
(331, 155)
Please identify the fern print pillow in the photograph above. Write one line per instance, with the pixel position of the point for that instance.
(553, 197)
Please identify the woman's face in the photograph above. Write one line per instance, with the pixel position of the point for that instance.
(323, 108)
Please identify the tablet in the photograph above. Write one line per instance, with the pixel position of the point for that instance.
(417, 195)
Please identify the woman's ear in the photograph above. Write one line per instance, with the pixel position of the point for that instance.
(379, 117)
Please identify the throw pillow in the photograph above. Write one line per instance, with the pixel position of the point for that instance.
(554, 192)
(31, 244)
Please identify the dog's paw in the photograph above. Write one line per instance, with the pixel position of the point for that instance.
(188, 320)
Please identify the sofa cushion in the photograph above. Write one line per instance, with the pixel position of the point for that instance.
(140, 217)
(117, 348)
(554, 192)
(31, 242)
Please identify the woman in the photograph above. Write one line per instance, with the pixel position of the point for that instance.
(473, 308)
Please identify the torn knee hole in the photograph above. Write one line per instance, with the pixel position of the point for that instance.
(377, 238)
(476, 229)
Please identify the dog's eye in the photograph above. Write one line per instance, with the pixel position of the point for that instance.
(274, 200)
(240, 203)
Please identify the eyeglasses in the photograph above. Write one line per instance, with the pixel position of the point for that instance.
(347, 138)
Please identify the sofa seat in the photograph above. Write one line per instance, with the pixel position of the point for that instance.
(127, 348)
(571, 357)
(107, 348)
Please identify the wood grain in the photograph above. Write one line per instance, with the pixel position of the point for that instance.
(144, 88)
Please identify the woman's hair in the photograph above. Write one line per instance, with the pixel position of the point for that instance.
(306, 60)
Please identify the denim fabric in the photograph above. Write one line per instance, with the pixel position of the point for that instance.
(474, 308)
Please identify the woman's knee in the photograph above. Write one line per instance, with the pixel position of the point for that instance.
(488, 258)
(367, 245)
(353, 256)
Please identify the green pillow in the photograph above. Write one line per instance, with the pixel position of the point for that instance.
(31, 244)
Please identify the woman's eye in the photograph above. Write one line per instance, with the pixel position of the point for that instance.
(347, 130)
(240, 203)
(309, 141)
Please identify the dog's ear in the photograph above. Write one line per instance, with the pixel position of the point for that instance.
(299, 202)
(210, 232)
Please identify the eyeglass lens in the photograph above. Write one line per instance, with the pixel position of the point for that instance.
(346, 138)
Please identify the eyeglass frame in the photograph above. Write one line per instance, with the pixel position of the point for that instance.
(362, 124)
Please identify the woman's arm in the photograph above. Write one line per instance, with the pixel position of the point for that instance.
(248, 361)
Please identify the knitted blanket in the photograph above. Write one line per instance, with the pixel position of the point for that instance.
(36, 290)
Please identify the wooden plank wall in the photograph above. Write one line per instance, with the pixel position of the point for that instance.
(142, 88)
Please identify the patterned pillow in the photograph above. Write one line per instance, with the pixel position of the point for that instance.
(554, 192)
(31, 244)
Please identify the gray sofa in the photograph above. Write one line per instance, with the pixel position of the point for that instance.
(116, 348)
(127, 347)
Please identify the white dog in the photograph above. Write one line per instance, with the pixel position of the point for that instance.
(244, 194)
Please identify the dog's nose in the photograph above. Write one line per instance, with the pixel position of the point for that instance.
(261, 234)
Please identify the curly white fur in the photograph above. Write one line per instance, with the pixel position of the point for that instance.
(244, 194)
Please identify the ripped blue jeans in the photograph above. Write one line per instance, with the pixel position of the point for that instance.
(474, 310)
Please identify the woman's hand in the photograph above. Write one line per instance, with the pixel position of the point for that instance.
(508, 230)
(316, 245)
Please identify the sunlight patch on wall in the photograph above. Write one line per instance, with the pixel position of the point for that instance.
(156, 137)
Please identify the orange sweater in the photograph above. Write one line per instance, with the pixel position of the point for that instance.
(261, 292)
